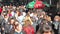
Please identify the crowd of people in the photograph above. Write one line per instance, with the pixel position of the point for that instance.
(17, 20)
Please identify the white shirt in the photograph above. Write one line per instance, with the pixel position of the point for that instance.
(20, 18)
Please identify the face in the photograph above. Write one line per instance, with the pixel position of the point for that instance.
(27, 22)
(12, 21)
(16, 23)
(47, 33)
(5, 16)
(19, 27)
(56, 19)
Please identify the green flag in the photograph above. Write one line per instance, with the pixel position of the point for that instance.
(30, 5)
(46, 4)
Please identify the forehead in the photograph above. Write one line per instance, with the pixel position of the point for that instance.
(16, 22)
(12, 19)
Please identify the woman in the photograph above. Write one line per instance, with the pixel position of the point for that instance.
(18, 28)
(28, 18)
(28, 28)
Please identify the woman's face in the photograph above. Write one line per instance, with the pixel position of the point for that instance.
(12, 21)
(27, 22)
(19, 27)
(47, 33)
(16, 23)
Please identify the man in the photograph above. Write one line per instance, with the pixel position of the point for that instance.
(2, 24)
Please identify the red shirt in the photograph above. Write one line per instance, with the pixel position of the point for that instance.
(29, 30)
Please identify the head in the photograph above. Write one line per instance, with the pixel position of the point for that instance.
(16, 22)
(46, 29)
(12, 21)
(9, 11)
(4, 13)
(19, 27)
(45, 16)
(5, 16)
(43, 13)
(27, 22)
(48, 18)
(44, 21)
(56, 18)
(18, 12)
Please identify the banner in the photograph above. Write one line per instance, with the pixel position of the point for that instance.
(46, 4)
(39, 4)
